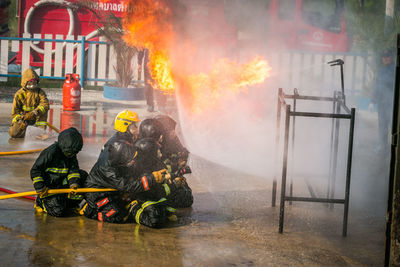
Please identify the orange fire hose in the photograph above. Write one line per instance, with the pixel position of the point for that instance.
(58, 191)
(8, 153)
(5, 190)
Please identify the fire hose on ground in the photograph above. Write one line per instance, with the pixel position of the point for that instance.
(9, 153)
(53, 191)
(8, 191)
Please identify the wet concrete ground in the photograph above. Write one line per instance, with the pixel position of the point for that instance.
(231, 222)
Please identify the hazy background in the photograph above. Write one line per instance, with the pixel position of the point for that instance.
(239, 132)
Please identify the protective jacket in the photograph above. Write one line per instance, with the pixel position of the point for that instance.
(176, 196)
(116, 168)
(30, 100)
(55, 170)
(171, 147)
(112, 171)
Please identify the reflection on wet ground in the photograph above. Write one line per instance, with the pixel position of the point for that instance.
(230, 224)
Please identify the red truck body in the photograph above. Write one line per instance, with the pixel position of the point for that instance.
(293, 27)
(55, 19)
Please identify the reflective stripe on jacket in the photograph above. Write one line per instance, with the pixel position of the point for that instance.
(27, 100)
(54, 170)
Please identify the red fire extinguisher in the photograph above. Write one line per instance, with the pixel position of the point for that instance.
(72, 92)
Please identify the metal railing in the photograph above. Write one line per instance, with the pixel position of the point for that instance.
(70, 56)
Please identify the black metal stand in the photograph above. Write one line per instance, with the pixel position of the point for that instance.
(338, 105)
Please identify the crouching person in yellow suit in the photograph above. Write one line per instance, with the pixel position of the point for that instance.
(30, 105)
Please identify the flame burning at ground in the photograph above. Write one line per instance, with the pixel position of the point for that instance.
(161, 70)
(149, 25)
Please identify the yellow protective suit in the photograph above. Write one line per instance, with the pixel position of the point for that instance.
(26, 101)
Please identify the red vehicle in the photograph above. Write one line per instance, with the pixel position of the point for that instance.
(54, 17)
(307, 25)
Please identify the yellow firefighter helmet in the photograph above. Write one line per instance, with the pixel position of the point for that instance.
(124, 119)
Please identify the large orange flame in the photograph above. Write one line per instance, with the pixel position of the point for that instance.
(225, 78)
(160, 66)
(150, 25)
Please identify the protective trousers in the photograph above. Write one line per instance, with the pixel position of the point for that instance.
(110, 208)
(106, 208)
(60, 205)
(18, 128)
(182, 197)
(176, 197)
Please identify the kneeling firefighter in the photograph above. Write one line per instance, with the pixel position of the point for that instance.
(57, 167)
(170, 188)
(30, 106)
(173, 156)
(116, 168)
(174, 153)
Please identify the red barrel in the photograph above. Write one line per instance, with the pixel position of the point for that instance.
(71, 92)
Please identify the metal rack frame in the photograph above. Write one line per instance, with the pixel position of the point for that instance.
(338, 101)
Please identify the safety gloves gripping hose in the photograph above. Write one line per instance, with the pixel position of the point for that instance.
(42, 192)
(178, 179)
(160, 176)
(73, 187)
(30, 116)
(163, 176)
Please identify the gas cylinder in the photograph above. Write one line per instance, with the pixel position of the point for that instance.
(71, 92)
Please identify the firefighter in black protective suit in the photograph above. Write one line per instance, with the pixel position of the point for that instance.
(117, 167)
(57, 167)
(173, 155)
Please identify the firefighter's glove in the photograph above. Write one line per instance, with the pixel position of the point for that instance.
(181, 163)
(159, 176)
(42, 192)
(73, 187)
(22, 124)
(30, 116)
(179, 181)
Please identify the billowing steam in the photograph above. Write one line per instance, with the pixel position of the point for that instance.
(227, 90)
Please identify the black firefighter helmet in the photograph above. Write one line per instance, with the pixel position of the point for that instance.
(167, 122)
(70, 141)
(150, 128)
